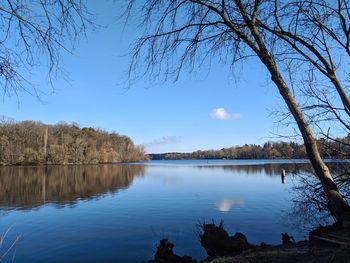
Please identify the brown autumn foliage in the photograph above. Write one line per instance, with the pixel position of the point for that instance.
(30, 142)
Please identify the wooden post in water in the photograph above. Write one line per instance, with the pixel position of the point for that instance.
(283, 176)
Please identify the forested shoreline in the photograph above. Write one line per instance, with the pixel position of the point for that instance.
(36, 143)
(338, 149)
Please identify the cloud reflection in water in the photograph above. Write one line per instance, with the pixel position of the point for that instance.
(226, 205)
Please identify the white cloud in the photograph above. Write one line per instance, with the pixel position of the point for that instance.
(162, 141)
(223, 115)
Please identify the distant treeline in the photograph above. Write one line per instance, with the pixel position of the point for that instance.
(30, 142)
(270, 150)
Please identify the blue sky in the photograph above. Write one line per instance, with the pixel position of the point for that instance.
(207, 110)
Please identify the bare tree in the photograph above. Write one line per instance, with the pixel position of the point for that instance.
(30, 142)
(32, 34)
(309, 201)
(189, 33)
(316, 37)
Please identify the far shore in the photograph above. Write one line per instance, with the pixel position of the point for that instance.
(202, 162)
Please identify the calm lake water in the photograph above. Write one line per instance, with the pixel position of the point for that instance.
(118, 213)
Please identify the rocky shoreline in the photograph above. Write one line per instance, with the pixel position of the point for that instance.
(325, 245)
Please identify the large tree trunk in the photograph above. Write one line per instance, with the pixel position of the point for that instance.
(336, 203)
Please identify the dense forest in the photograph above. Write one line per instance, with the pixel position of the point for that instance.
(269, 150)
(30, 142)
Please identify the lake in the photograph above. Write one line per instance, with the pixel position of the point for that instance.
(119, 212)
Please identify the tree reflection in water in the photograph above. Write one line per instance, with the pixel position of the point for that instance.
(310, 203)
(29, 187)
(309, 209)
(271, 169)
(25, 187)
